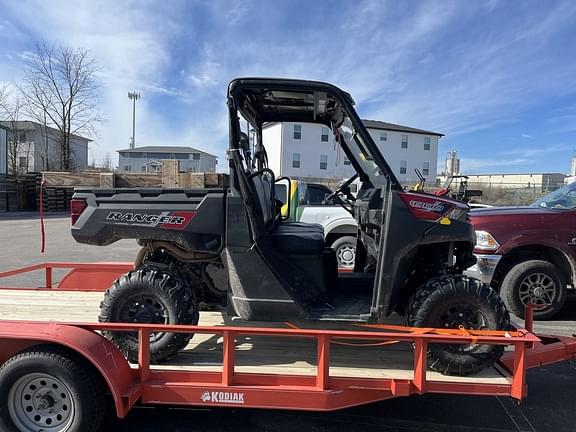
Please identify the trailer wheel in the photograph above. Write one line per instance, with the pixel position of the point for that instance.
(535, 281)
(453, 301)
(149, 296)
(46, 388)
(345, 248)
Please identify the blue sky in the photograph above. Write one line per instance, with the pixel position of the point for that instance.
(497, 77)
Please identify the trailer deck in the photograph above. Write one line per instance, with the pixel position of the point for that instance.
(259, 365)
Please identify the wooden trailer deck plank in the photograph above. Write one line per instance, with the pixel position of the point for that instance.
(285, 355)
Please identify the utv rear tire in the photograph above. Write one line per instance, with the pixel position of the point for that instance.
(453, 301)
(149, 296)
(522, 283)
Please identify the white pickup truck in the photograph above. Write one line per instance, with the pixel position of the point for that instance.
(308, 204)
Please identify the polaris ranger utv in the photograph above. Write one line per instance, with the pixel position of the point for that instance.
(231, 246)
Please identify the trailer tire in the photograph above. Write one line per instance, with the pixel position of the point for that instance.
(49, 388)
(538, 281)
(147, 295)
(449, 302)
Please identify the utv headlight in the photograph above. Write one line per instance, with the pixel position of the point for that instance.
(484, 240)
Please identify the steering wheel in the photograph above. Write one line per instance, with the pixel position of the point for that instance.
(343, 189)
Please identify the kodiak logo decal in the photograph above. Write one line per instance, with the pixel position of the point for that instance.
(172, 220)
(223, 397)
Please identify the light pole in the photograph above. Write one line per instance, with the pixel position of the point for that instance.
(134, 97)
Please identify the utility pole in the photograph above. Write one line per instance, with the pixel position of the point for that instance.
(134, 97)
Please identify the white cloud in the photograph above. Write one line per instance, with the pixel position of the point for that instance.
(413, 63)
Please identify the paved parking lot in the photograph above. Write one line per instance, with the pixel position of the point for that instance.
(550, 406)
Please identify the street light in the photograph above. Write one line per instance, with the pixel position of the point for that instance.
(134, 97)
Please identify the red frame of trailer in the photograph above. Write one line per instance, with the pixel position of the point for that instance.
(320, 392)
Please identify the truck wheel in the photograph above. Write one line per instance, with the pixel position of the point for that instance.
(537, 282)
(345, 248)
(46, 388)
(454, 301)
(153, 297)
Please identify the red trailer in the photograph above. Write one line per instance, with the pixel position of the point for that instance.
(55, 375)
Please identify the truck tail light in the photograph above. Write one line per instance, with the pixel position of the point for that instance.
(77, 207)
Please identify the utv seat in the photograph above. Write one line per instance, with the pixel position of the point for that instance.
(290, 238)
(299, 238)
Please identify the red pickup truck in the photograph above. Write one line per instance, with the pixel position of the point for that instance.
(528, 254)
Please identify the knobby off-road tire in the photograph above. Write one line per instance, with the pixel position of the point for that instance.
(49, 388)
(536, 281)
(452, 301)
(149, 295)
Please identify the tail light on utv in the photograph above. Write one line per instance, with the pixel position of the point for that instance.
(77, 207)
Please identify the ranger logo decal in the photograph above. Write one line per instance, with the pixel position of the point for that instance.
(177, 220)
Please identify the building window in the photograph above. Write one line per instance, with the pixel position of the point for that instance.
(158, 156)
(426, 143)
(295, 160)
(426, 168)
(182, 156)
(404, 142)
(383, 136)
(323, 162)
(195, 156)
(347, 161)
(22, 137)
(127, 168)
(403, 167)
(297, 131)
(134, 155)
(324, 136)
(23, 162)
(143, 169)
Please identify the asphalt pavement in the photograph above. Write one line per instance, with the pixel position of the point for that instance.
(550, 406)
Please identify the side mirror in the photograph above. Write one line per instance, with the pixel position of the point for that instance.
(283, 188)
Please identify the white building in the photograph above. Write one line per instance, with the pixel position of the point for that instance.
(540, 181)
(307, 150)
(149, 159)
(451, 164)
(38, 148)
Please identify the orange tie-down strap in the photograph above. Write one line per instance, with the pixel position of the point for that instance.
(460, 331)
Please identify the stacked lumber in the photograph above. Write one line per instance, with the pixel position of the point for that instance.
(9, 194)
(170, 173)
(202, 180)
(138, 180)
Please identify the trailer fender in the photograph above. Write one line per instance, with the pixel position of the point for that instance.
(16, 336)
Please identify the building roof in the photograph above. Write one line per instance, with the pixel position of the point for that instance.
(375, 124)
(28, 125)
(164, 149)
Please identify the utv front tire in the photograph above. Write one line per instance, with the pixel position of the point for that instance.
(454, 301)
(149, 296)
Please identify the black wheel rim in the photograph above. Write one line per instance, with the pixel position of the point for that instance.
(460, 315)
(144, 309)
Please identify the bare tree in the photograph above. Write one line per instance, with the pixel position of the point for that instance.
(61, 90)
(107, 162)
(18, 145)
